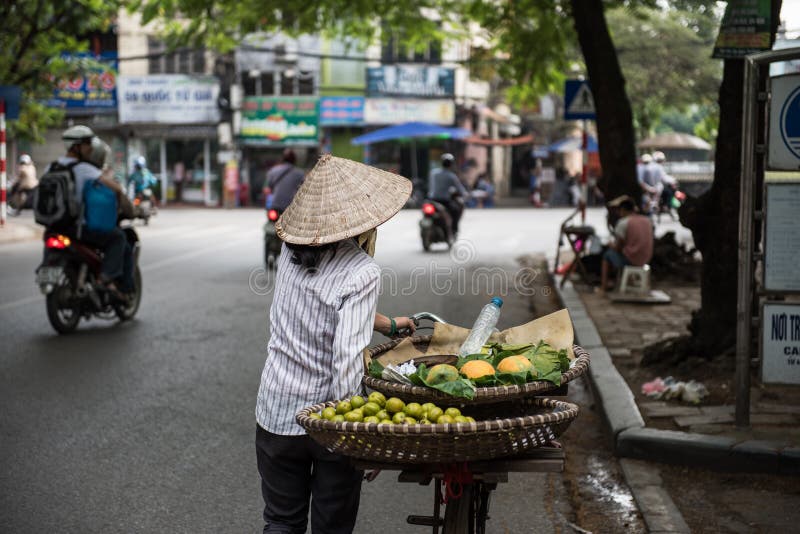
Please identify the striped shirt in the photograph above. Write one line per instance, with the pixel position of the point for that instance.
(320, 324)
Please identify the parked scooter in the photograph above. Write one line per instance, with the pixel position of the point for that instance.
(69, 278)
(272, 243)
(435, 225)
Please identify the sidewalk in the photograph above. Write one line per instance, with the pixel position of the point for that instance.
(22, 228)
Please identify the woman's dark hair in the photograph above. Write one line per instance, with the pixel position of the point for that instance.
(308, 256)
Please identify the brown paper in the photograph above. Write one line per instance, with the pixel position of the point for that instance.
(555, 329)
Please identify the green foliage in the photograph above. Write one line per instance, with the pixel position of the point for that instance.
(666, 59)
(34, 35)
(461, 387)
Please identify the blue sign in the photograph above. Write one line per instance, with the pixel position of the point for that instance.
(89, 90)
(11, 95)
(411, 81)
(578, 101)
(341, 110)
(790, 122)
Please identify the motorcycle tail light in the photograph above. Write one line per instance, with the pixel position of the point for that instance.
(136, 201)
(428, 208)
(57, 241)
(272, 215)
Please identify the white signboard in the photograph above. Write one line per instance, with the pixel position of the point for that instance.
(782, 249)
(780, 344)
(168, 99)
(400, 110)
(784, 123)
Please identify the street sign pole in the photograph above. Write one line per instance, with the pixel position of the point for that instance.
(584, 171)
(3, 179)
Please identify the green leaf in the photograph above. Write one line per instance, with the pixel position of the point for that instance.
(375, 369)
(458, 388)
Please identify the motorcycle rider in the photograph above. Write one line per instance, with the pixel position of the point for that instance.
(141, 177)
(283, 181)
(25, 183)
(443, 185)
(80, 142)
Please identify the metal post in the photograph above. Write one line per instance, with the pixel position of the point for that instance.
(745, 255)
(414, 169)
(3, 178)
(584, 172)
(162, 149)
(207, 172)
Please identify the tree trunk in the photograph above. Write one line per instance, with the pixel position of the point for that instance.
(713, 219)
(614, 116)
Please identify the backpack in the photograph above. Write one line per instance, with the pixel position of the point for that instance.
(54, 202)
(99, 207)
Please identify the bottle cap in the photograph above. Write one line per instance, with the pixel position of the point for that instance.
(497, 301)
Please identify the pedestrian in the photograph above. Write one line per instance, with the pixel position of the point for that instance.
(321, 319)
(534, 183)
(283, 181)
(21, 193)
(484, 191)
(633, 240)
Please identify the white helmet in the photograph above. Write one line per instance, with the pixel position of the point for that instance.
(25, 159)
(76, 134)
(140, 162)
(647, 158)
(659, 157)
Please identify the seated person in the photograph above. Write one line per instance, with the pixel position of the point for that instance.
(633, 234)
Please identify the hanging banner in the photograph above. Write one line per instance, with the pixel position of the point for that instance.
(280, 120)
(411, 81)
(745, 29)
(398, 111)
(92, 90)
(168, 98)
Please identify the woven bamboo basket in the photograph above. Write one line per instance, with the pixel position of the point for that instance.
(485, 395)
(535, 422)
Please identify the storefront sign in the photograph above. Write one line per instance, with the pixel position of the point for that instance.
(744, 29)
(784, 123)
(398, 111)
(781, 344)
(410, 81)
(341, 110)
(94, 89)
(280, 120)
(168, 98)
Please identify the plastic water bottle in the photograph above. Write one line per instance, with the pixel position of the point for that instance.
(483, 328)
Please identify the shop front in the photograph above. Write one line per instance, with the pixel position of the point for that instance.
(271, 124)
(341, 118)
(172, 121)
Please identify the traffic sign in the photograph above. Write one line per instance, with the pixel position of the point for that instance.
(11, 95)
(784, 123)
(578, 100)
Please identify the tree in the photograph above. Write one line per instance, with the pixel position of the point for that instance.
(35, 34)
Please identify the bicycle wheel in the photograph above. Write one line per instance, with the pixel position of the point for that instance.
(459, 514)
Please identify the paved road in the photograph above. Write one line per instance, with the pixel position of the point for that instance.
(148, 426)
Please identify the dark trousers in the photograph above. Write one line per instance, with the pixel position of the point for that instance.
(294, 468)
(114, 247)
(454, 209)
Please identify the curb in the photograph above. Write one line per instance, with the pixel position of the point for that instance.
(17, 232)
(632, 439)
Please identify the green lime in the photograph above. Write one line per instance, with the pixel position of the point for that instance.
(399, 418)
(434, 414)
(410, 420)
(357, 401)
(452, 412)
(328, 413)
(443, 419)
(338, 418)
(413, 409)
(315, 415)
(378, 398)
(343, 407)
(386, 422)
(383, 414)
(354, 416)
(395, 405)
(460, 419)
(371, 419)
(470, 419)
(427, 407)
(371, 408)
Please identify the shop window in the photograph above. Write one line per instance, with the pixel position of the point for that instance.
(199, 61)
(394, 51)
(305, 83)
(185, 61)
(267, 83)
(287, 82)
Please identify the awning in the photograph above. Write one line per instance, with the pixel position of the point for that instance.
(509, 141)
(411, 130)
(570, 144)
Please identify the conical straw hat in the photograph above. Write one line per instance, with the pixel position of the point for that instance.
(339, 199)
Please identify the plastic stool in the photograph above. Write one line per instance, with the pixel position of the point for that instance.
(635, 279)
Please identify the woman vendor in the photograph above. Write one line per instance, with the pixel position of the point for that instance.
(322, 317)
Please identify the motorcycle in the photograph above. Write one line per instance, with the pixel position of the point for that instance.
(19, 200)
(143, 205)
(69, 278)
(272, 243)
(435, 225)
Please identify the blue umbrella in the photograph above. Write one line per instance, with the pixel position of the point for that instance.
(410, 130)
